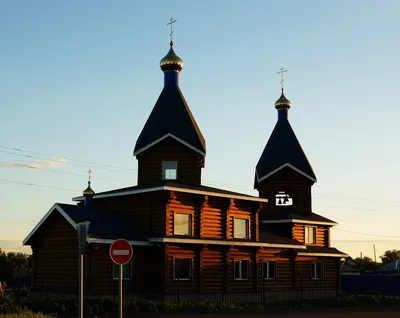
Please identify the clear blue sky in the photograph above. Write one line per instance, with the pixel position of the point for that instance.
(79, 78)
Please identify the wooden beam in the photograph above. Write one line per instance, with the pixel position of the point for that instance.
(201, 216)
(227, 218)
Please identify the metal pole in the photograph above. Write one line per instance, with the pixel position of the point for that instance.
(120, 291)
(81, 286)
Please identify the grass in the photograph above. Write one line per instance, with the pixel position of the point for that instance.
(24, 314)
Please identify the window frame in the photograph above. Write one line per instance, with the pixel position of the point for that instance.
(190, 269)
(163, 169)
(190, 225)
(306, 228)
(129, 264)
(247, 228)
(314, 270)
(241, 270)
(266, 263)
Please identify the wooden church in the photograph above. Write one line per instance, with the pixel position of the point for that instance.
(189, 238)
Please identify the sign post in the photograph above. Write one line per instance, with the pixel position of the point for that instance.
(121, 253)
(83, 230)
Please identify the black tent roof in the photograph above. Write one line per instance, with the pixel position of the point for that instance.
(171, 116)
(282, 149)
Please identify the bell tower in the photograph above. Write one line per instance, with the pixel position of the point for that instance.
(283, 173)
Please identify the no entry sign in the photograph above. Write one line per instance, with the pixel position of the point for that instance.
(121, 252)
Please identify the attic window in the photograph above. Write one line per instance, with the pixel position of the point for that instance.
(169, 170)
(282, 198)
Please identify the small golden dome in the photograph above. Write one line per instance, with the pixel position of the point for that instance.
(283, 102)
(171, 62)
(88, 190)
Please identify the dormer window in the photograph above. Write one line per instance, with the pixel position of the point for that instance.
(169, 170)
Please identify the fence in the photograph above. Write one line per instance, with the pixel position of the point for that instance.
(371, 284)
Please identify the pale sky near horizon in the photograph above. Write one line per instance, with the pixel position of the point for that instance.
(79, 79)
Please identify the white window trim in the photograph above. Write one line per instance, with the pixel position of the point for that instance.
(248, 228)
(266, 277)
(190, 269)
(314, 271)
(306, 227)
(163, 169)
(123, 278)
(240, 269)
(190, 223)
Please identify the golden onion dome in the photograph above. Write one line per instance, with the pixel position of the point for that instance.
(171, 62)
(88, 190)
(283, 102)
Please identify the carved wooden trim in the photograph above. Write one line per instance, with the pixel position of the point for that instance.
(227, 218)
(257, 221)
(201, 216)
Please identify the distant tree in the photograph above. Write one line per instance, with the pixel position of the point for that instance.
(390, 256)
(12, 263)
(366, 263)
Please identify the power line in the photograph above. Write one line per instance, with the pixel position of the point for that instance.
(101, 166)
(69, 159)
(37, 185)
(68, 162)
(366, 234)
(72, 190)
(64, 172)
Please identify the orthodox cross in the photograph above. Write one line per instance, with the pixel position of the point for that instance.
(171, 21)
(282, 70)
(90, 174)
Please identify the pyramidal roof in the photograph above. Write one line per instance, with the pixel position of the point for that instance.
(283, 150)
(171, 117)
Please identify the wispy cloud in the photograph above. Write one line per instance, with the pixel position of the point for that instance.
(39, 165)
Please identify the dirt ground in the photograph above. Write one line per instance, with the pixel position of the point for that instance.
(390, 313)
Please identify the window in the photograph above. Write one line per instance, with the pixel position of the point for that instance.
(309, 235)
(269, 270)
(283, 198)
(241, 270)
(126, 271)
(169, 170)
(316, 270)
(241, 228)
(182, 268)
(182, 224)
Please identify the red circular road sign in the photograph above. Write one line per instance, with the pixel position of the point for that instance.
(121, 251)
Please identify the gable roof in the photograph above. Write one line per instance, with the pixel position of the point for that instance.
(171, 117)
(105, 225)
(283, 150)
(175, 186)
(289, 215)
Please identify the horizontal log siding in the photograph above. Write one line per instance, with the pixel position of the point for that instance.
(181, 286)
(150, 162)
(303, 274)
(322, 234)
(287, 179)
(55, 255)
(147, 210)
(212, 269)
(284, 270)
(243, 210)
(212, 218)
(147, 271)
(182, 203)
(236, 254)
